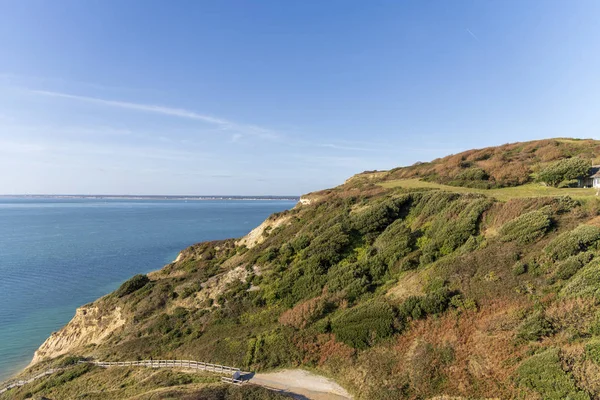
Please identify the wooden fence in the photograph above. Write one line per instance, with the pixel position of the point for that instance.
(187, 364)
(20, 383)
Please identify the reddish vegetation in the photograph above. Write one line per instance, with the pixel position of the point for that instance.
(506, 165)
(322, 349)
(483, 354)
(304, 313)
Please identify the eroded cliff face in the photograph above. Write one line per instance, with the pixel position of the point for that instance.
(90, 325)
(258, 234)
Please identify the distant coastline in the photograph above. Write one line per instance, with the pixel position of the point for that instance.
(145, 197)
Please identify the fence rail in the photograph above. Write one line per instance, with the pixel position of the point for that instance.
(187, 364)
(227, 379)
(19, 383)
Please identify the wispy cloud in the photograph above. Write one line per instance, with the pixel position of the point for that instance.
(168, 111)
(236, 137)
(472, 34)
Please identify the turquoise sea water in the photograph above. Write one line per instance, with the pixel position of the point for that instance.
(56, 255)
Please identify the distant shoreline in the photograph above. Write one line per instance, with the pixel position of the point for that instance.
(147, 197)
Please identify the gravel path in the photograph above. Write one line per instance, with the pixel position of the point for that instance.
(302, 384)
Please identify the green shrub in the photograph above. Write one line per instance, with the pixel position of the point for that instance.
(543, 374)
(472, 174)
(526, 228)
(365, 324)
(569, 267)
(230, 392)
(300, 243)
(519, 268)
(416, 307)
(592, 351)
(62, 377)
(436, 302)
(378, 216)
(394, 243)
(271, 349)
(586, 282)
(68, 361)
(564, 170)
(535, 327)
(135, 283)
(570, 243)
(432, 203)
(452, 228)
(595, 326)
(329, 245)
(353, 279)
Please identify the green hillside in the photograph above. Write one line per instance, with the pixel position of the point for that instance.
(397, 288)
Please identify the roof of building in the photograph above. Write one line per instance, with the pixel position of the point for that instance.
(595, 171)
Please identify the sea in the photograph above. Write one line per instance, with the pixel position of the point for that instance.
(58, 254)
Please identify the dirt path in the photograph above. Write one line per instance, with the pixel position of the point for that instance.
(302, 384)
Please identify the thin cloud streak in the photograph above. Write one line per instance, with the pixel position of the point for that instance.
(472, 34)
(173, 112)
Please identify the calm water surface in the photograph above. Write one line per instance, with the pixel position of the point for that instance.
(56, 255)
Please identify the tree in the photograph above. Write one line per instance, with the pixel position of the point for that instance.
(564, 170)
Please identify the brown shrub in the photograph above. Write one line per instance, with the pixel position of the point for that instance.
(482, 343)
(304, 313)
(573, 314)
(322, 348)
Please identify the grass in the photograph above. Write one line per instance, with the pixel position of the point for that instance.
(85, 381)
(503, 194)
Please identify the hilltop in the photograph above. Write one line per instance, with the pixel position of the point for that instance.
(508, 165)
(460, 277)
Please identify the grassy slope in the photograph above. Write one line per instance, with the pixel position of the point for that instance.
(503, 194)
(396, 292)
(508, 165)
(123, 383)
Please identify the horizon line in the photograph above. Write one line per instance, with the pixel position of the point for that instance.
(149, 195)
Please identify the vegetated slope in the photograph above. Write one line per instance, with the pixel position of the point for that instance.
(508, 165)
(395, 293)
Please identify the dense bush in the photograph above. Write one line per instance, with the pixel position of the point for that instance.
(394, 243)
(328, 247)
(378, 216)
(362, 326)
(519, 268)
(232, 392)
(416, 307)
(271, 349)
(569, 267)
(526, 228)
(570, 243)
(304, 313)
(586, 282)
(472, 174)
(353, 279)
(564, 170)
(592, 351)
(452, 228)
(62, 377)
(428, 367)
(135, 283)
(535, 327)
(431, 204)
(543, 374)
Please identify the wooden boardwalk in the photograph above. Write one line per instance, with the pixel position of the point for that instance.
(187, 364)
(19, 383)
(230, 372)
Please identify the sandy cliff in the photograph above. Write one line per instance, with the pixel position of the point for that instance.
(90, 325)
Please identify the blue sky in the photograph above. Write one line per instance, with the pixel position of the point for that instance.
(279, 97)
